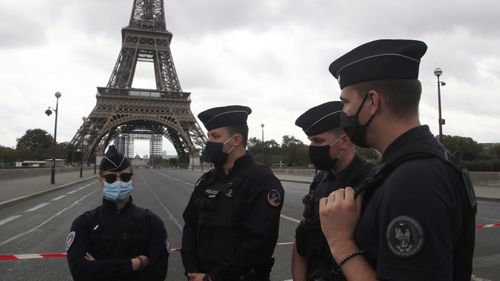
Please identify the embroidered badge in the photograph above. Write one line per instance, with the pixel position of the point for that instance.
(274, 198)
(405, 236)
(69, 240)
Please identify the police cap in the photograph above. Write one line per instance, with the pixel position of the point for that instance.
(321, 118)
(379, 59)
(114, 161)
(224, 116)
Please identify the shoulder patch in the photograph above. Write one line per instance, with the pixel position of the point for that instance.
(274, 197)
(405, 236)
(69, 240)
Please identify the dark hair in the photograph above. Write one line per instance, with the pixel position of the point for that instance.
(239, 129)
(402, 95)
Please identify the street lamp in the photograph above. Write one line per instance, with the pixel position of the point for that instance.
(49, 112)
(438, 71)
(81, 148)
(262, 125)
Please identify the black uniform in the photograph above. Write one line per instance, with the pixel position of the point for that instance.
(232, 221)
(309, 239)
(113, 237)
(419, 223)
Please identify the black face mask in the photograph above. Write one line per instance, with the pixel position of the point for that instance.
(320, 157)
(355, 131)
(215, 152)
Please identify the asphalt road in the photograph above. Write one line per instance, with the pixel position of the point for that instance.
(40, 225)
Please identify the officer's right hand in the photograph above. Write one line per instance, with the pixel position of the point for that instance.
(339, 215)
(139, 262)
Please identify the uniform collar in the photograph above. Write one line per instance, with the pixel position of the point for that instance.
(418, 134)
(351, 169)
(239, 164)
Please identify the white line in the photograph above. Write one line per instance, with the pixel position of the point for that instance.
(167, 176)
(4, 221)
(290, 219)
(46, 221)
(37, 207)
(71, 192)
(58, 197)
(170, 215)
(83, 187)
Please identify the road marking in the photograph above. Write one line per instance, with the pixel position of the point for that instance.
(71, 192)
(290, 219)
(475, 278)
(58, 197)
(46, 221)
(4, 221)
(176, 179)
(37, 207)
(170, 215)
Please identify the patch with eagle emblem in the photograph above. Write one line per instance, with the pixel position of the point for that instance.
(405, 236)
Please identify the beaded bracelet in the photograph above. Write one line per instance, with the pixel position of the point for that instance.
(345, 258)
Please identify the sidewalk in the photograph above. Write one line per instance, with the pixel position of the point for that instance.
(482, 192)
(15, 190)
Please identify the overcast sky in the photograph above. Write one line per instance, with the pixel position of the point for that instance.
(272, 55)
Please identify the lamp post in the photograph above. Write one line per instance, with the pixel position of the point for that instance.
(262, 125)
(81, 148)
(438, 71)
(49, 112)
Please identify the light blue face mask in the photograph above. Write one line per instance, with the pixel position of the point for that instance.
(117, 191)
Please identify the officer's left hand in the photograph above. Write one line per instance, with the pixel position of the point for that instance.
(89, 257)
(197, 276)
(339, 215)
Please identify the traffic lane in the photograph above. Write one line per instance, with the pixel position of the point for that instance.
(36, 213)
(171, 195)
(44, 231)
(291, 214)
(486, 261)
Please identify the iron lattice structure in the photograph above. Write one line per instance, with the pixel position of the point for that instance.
(125, 111)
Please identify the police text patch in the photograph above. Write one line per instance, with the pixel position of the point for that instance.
(405, 236)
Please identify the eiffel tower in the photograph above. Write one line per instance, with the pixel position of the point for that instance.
(127, 113)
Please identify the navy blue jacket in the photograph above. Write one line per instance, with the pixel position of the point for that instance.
(100, 231)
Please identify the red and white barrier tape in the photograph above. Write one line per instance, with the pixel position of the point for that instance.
(488, 225)
(172, 250)
(32, 256)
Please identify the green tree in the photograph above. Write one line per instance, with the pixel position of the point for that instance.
(35, 139)
(36, 144)
(495, 150)
(295, 152)
(467, 148)
(7, 155)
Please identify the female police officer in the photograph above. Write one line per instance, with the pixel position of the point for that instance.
(117, 240)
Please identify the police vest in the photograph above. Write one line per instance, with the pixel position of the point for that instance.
(219, 224)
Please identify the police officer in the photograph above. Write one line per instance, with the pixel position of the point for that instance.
(232, 218)
(415, 219)
(117, 240)
(333, 153)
